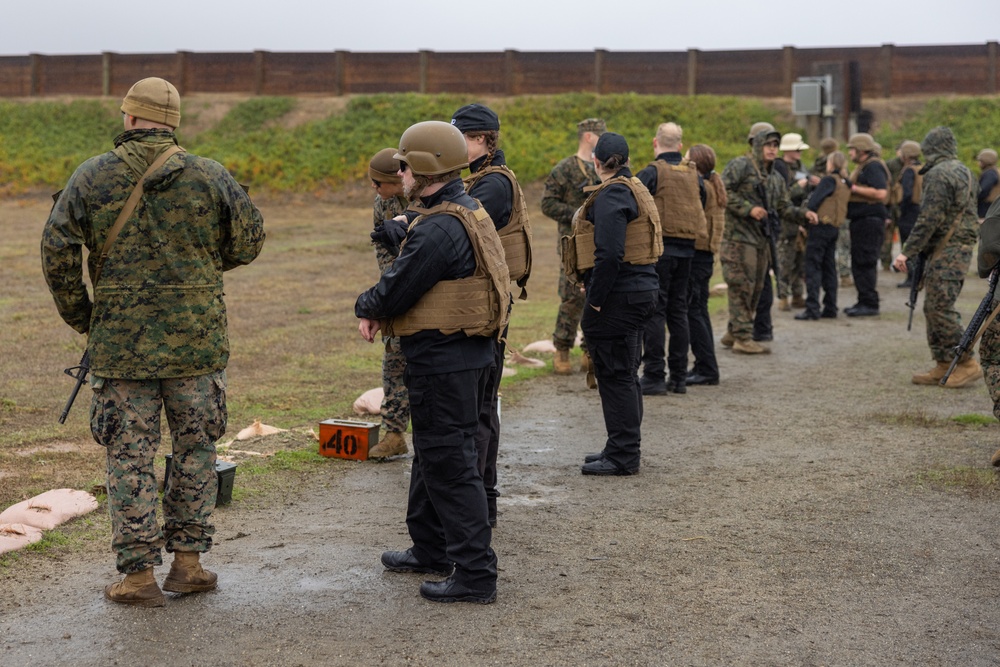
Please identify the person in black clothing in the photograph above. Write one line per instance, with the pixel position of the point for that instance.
(446, 376)
(829, 202)
(619, 298)
(909, 199)
(680, 197)
(867, 212)
(481, 128)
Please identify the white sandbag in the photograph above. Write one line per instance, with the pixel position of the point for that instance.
(257, 429)
(14, 536)
(718, 289)
(370, 402)
(507, 372)
(47, 510)
(518, 359)
(540, 347)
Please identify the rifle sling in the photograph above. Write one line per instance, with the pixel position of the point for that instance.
(982, 327)
(129, 207)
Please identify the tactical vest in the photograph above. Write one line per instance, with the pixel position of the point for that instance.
(516, 234)
(478, 305)
(833, 209)
(918, 184)
(715, 216)
(643, 237)
(855, 197)
(995, 190)
(678, 200)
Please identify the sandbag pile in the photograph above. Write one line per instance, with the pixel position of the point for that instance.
(22, 524)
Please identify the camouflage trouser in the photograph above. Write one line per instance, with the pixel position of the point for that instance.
(744, 268)
(989, 355)
(395, 401)
(571, 302)
(890, 232)
(125, 418)
(844, 251)
(943, 280)
(792, 263)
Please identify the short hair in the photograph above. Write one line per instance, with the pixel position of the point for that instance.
(669, 135)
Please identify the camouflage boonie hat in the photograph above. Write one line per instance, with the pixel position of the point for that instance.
(595, 125)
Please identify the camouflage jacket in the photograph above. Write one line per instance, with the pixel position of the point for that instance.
(741, 178)
(158, 311)
(949, 197)
(564, 190)
(386, 209)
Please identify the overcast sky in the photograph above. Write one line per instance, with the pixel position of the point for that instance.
(93, 26)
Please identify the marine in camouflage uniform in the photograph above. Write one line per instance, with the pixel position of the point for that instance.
(157, 332)
(945, 233)
(745, 250)
(989, 347)
(562, 197)
(791, 244)
(395, 401)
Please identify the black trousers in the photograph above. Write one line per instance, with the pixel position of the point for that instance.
(762, 325)
(867, 236)
(613, 338)
(821, 268)
(488, 431)
(446, 514)
(672, 311)
(699, 321)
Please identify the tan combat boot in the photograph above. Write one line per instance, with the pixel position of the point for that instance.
(783, 303)
(996, 458)
(965, 374)
(798, 301)
(560, 363)
(138, 588)
(392, 444)
(586, 363)
(187, 576)
(727, 340)
(749, 346)
(933, 376)
(846, 281)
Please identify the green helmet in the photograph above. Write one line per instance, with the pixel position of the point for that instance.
(432, 148)
(864, 142)
(757, 127)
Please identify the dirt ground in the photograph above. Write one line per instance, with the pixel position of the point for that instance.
(815, 508)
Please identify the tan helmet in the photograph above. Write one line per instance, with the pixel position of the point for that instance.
(863, 141)
(909, 149)
(987, 157)
(432, 148)
(757, 127)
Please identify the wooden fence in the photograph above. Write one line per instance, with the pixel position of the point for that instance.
(886, 71)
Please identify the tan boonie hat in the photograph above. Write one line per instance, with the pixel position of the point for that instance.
(154, 99)
(595, 125)
(383, 167)
(793, 142)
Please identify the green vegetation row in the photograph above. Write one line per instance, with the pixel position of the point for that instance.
(41, 142)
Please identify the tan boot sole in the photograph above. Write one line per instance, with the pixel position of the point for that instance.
(178, 587)
(157, 601)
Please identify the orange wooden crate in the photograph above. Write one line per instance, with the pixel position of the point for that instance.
(346, 439)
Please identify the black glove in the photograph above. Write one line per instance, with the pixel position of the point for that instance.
(389, 233)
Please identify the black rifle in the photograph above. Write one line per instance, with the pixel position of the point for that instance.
(916, 276)
(975, 324)
(78, 373)
(771, 226)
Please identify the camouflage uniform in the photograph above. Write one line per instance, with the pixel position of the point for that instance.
(157, 332)
(791, 245)
(745, 252)
(563, 196)
(949, 202)
(989, 347)
(395, 401)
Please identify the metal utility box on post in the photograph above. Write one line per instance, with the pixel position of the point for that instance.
(811, 97)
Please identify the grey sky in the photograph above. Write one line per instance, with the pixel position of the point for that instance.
(75, 27)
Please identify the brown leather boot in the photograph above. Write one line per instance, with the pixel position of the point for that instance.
(187, 576)
(586, 363)
(995, 461)
(392, 444)
(749, 346)
(727, 340)
(798, 301)
(933, 376)
(138, 588)
(560, 363)
(965, 374)
(783, 303)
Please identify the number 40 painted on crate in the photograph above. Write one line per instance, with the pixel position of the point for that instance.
(345, 439)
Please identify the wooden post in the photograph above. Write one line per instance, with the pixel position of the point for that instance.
(599, 70)
(34, 74)
(692, 71)
(182, 72)
(340, 66)
(788, 67)
(991, 67)
(106, 58)
(885, 72)
(510, 71)
(425, 59)
(259, 62)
